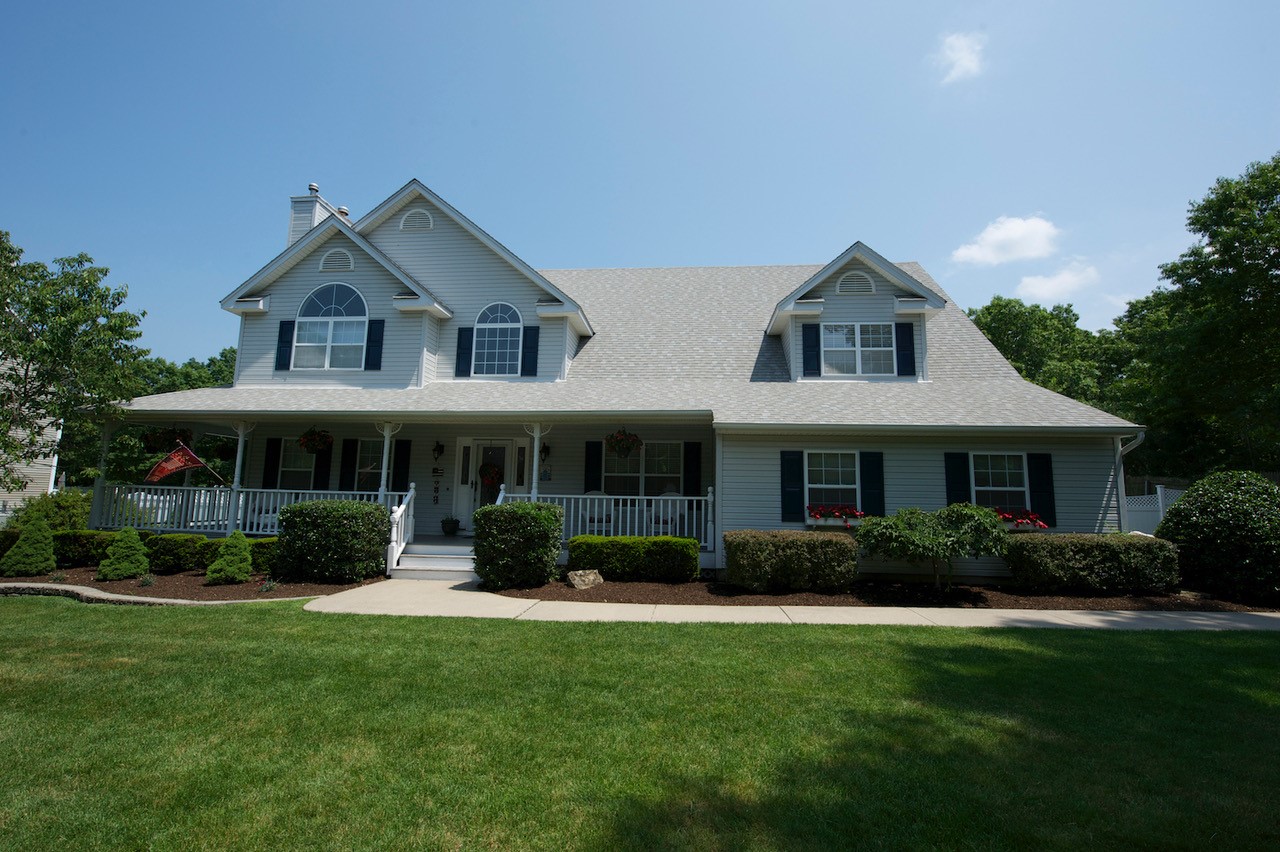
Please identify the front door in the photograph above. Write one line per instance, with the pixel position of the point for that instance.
(488, 467)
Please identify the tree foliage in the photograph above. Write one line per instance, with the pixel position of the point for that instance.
(1043, 344)
(66, 352)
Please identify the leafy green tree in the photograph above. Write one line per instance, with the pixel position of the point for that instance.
(935, 539)
(1045, 345)
(66, 351)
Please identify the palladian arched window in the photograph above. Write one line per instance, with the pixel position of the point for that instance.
(497, 342)
(330, 333)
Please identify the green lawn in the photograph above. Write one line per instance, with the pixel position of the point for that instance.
(263, 726)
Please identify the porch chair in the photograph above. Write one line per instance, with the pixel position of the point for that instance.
(597, 514)
(669, 518)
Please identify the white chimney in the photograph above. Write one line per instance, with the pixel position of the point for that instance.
(305, 212)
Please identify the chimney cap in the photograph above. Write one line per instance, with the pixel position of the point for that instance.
(314, 188)
(344, 211)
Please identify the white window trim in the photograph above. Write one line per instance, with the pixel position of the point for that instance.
(351, 264)
(857, 349)
(376, 443)
(328, 346)
(1026, 479)
(641, 474)
(475, 340)
(280, 469)
(857, 475)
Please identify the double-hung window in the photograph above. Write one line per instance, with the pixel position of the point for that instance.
(331, 328)
(653, 470)
(297, 466)
(369, 465)
(858, 349)
(831, 478)
(1000, 480)
(496, 350)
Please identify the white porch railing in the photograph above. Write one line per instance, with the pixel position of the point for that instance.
(600, 514)
(177, 508)
(401, 528)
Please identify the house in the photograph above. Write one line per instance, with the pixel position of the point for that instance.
(450, 374)
(38, 477)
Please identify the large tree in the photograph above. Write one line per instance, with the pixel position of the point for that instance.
(66, 351)
(1043, 344)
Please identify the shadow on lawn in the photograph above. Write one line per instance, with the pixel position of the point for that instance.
(1025, 741)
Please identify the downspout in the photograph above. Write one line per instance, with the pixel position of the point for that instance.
(1122, 507)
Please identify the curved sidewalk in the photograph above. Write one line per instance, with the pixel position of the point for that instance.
(447, 598)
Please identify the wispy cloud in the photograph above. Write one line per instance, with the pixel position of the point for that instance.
(1052, 289)
(1010, 238)
(961, 56)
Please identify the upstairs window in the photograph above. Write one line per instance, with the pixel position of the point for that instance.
(331, 329)
(496, 350)
(858, 349)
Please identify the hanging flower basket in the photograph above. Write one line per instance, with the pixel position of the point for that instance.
(623, 443)
(490, 475)
(315, 440)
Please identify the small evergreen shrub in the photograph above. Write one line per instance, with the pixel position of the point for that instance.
(1086, 562)
(82, 548)
(1227, 529)
(126, 557)
(174, 553)
(332, 541)
(660, 559)
(234, 563)
(63, 510)
(32, 554)
(517, 544)
(790, 560)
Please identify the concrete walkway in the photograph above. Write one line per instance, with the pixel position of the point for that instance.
(446, 598)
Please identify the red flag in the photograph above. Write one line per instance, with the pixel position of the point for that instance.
(178, 460)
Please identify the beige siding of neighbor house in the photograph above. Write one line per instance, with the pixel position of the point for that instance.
(38, 476)
(914, 475)
(878, 307)
(402, 338)
(467, 276)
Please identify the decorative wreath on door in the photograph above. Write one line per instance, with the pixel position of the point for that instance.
(490, 474)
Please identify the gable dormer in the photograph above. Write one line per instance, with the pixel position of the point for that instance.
(860, 317)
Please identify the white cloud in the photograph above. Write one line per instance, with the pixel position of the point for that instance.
(1056, 288)
(1010, 238)
(961, 56)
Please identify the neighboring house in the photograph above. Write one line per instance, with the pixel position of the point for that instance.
(435, 356)
(40, 477)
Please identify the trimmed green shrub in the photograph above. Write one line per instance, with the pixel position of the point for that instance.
(1227, 529)
(234, 563)
(332, 541)
(8, 538)
(517, 544)
(1087, 562)
(32, 554)
(263, 552)
(126, 557)
(82, 548)
(64, 510)
(790, 560)
(936, 539)
(660, 559)
(174, 553)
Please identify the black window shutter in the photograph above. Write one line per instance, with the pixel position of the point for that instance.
(347, 465)
(872, 472)
(320, 475)
(810, 340)
(593, 467)
(529, 351)
(400, 465)
(792, 485)
(373, 345)
(284, 345)
(692, 468)
(1040, 480)
(956, 466)
(462, 361)
(271, 464)
(905, 340)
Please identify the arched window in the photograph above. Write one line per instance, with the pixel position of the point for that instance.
(497, 342)
(330, 331)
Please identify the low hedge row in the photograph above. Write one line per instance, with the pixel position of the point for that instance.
(659, 559)
(517, 544)
(1093, 563)
(790, 560)
(171, 553)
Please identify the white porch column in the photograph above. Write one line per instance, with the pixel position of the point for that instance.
(387, 430)
(243, 428)
(100, 481)
(537, 431)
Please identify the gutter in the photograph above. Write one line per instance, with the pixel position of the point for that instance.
(1122, 500)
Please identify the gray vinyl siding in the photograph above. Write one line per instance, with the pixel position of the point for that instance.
(793, 365)
(402, 338)
(467, 276)
(1083, 478)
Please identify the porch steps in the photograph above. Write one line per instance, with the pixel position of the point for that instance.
(436, 562)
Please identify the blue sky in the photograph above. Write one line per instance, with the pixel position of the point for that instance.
(1041, 150)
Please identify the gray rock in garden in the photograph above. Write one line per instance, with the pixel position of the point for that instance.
(585, 579)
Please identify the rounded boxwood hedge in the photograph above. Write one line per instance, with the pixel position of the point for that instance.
(1227, 529)
(658, 559)
(517, 544)
(332, 541)
(790, 560)
(1088, 562)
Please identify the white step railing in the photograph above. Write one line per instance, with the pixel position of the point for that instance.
(401, 528)
(602, 514)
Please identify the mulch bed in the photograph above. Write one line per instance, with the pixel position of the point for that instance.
(189, 585)
(878, 593)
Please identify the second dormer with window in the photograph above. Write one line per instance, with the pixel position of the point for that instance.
(860, 318)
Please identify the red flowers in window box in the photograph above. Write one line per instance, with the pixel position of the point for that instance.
(1022, 518)
(837, 512)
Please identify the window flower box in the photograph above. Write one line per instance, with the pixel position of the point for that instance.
(833, 516)
(1021, 520)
